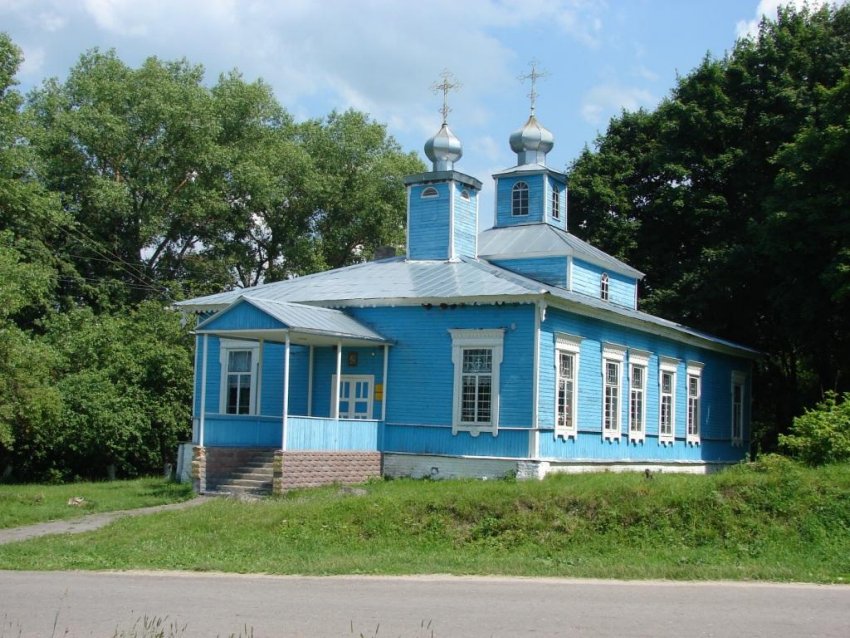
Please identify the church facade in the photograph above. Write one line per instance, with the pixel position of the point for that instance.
(519, 349)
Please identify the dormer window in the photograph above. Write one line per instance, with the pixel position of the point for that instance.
(603, 287)
(519, 199)
(556, 203)
(430, 192)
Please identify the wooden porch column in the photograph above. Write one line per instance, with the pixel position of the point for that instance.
(384, 394)
(310, 384)
(203, 406)
(338, 381)
(285, 392)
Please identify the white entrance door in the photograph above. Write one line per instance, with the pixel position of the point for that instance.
(355, 396)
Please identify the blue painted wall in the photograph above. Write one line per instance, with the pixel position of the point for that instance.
(550, 270)
(420, 390)
(465, 221)
(554, 184)
(428, 227)
(243, 316)
(586, 278)
(715, 406)
(536, 200)
(370, 361)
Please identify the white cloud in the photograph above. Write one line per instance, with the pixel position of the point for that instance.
(33, 60)
(605, 100)
(768, 9)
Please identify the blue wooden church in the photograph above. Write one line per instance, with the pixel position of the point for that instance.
(519, 349)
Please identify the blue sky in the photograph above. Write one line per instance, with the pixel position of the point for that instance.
(382, 57)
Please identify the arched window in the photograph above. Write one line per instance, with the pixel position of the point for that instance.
(464, 194)
(519, 200)
(556, 203)
(430, 192)
(603, 287)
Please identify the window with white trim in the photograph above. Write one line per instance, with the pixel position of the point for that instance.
(464, 194)
(694, 401)
(477, 358)
(603, 287)
(638, 364)
(556, 203)
(667, 394)
(566, 384)
(612, 389)
(519, 199)
(738, 381)
(239, 376)
(429, 192)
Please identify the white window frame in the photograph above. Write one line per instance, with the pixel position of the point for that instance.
(569, 345)
(638, 359)
(671, 366)
(604, 287)
(612, 354)
(738, 379)
(429, 192)
(226, 346)
(353, 378)
(467, 339)
(694, 410)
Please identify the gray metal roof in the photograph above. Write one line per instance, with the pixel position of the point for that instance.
(395, 279)
(398, 281)
(539, 240)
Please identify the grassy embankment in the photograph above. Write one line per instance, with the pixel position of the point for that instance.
(27, 504)
(773, 520)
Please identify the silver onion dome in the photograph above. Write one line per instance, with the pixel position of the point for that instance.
(532, 142)
(444, 149)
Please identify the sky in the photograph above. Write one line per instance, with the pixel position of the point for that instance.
(383, 57)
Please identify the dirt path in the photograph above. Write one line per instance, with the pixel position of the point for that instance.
(88, 523)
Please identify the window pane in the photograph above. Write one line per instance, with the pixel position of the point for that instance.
(239, 361)
(478, 360)
(637, 378)
(666, 382)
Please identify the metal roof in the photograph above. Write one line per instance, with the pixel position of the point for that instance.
(539, 240)
(397, 281)
(300, 320)
(393, 278)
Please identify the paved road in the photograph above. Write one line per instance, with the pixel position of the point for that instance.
(87, 523)
(96, 604)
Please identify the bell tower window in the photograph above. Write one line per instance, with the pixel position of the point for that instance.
(603, 287)
(430, 192)
(556, 203)
(519, 199)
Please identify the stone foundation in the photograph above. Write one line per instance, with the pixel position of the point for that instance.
(311, 469)
(199, 469)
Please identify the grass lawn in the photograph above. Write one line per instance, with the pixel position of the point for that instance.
(27, 504)
(772, 520)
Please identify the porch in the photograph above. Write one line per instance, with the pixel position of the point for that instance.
(287, 377)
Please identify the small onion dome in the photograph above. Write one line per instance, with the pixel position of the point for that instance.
(444, 149)
(532, 142)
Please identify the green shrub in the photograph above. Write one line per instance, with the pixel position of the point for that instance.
(821, 435)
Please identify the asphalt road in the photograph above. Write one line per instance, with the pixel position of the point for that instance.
(98, 604)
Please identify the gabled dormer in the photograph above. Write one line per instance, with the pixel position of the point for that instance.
(442, 204)
(531, 192)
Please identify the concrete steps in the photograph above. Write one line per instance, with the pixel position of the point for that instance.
(253, 477)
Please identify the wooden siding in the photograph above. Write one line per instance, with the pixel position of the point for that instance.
(370, 361)
(243, 316)
(230, 430)
(465, 222)
(504, 198)
(550, 270)
(428, 226)
(586, 278)
(715, 404)
(440, 440)
(305, 433)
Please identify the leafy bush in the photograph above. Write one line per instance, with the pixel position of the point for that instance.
(821, 435)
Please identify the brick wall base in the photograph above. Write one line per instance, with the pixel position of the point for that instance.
(310, 469)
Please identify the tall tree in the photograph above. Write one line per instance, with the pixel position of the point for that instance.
(718, 195)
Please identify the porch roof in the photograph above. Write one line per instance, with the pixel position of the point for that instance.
(250, 318)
